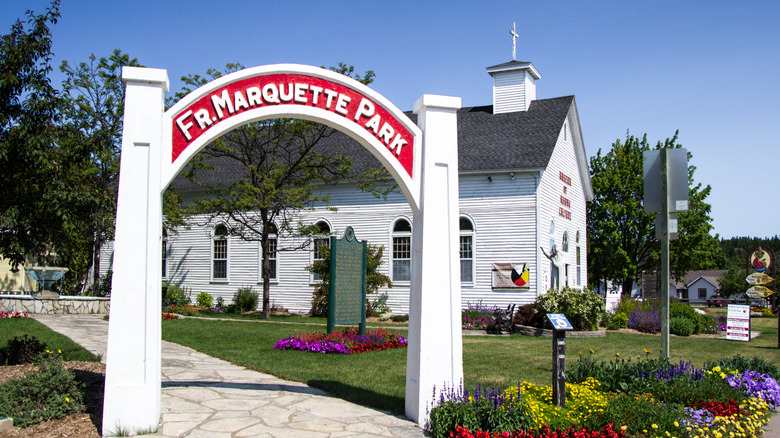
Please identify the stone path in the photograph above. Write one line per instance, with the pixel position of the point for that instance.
(207, 397)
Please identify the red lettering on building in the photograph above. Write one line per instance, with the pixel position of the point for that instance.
(565, 202)
(562, 212)
(565, 178)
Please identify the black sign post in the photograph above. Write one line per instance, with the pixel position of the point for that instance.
(347, 294)
(560, 326)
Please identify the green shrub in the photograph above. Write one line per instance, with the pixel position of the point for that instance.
(582, 308)
(399, 318)
(705, 324)
(374, 278)
(50, 393)
(744, 363)
(681, 326)
(244, 300)
(617, 321)
(627, 305)
(176, 295)
(24, 349)
(681, 310)
(638, 414)
(220, 302)
(526, 315)
(204, 300)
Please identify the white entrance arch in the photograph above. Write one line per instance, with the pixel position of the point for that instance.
(156, 145)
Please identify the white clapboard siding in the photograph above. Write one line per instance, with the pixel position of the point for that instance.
(513, 91)
(564, 160)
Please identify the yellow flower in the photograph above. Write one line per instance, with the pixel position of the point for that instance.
(591, 351)
(67, 399)
(676, 424)
(59, 351)
(617, 354)
(654, 426)
(716, 369)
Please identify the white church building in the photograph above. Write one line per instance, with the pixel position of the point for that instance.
(524, 182)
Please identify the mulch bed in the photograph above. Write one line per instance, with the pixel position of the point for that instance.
(86, 424)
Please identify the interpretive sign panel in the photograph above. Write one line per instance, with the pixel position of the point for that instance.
(738, 323)
(347, 295)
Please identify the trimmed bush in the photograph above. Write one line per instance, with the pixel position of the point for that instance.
(244, 300)
(617, 321)
(681, 326)
(204, 300)
(24, 349)
(526, 315)
(51, 392)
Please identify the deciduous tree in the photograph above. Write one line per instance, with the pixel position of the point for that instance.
(282, 170)
(621, 236)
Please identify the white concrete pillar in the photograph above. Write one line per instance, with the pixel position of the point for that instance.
(435, 351)
(132, 388)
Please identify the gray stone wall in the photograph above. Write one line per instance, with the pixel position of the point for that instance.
(58, 305)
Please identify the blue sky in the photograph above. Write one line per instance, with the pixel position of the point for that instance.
(707, 68)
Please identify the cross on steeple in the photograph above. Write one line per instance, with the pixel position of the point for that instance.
(514, 38)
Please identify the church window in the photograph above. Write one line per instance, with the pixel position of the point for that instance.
(219, 253)
(320, 244)
(466, 250)
(402, 250)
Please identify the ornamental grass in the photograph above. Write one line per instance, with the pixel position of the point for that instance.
(347, 341)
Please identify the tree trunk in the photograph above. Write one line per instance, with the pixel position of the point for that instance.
(627, 284)
(96, 264)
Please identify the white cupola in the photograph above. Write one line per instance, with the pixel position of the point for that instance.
(514, 86)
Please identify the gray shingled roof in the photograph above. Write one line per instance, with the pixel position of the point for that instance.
(486, 141)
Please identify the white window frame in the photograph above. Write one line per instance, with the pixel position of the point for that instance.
(214, 239)
(472, 233)
(400, 235)
(273, 240)
(314, 278)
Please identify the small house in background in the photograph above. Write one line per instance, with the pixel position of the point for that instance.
(698, 287)
(523, 184)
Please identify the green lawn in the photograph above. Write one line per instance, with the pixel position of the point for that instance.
(287, 318)
(377, 379)
(13, 327)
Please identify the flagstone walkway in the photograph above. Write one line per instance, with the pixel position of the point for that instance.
(207, 397)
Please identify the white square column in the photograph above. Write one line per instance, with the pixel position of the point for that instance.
(435, 350)
(131, 401)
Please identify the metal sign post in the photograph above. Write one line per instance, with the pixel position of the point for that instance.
(560, 326)
(670, 168)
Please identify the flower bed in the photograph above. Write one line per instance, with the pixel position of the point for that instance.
(643, 398)
(181, 310)
(347, 341)
(12, 315)
(477, 316)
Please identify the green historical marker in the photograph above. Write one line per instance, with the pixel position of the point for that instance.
(347, 295)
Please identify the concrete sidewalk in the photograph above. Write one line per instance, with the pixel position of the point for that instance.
(207, 397)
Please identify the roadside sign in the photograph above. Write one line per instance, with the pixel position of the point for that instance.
(738, 323)
(559, 321)
(759, 278)
(759, 292)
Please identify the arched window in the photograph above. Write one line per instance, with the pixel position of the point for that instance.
(402, 250)
(320, 243)
(565, 242)
(219, 253)
(272, 254)
(466, 250)
(164, 253)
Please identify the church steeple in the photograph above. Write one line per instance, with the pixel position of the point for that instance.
(514, 82)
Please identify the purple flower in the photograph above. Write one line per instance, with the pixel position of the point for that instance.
(758, 385)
